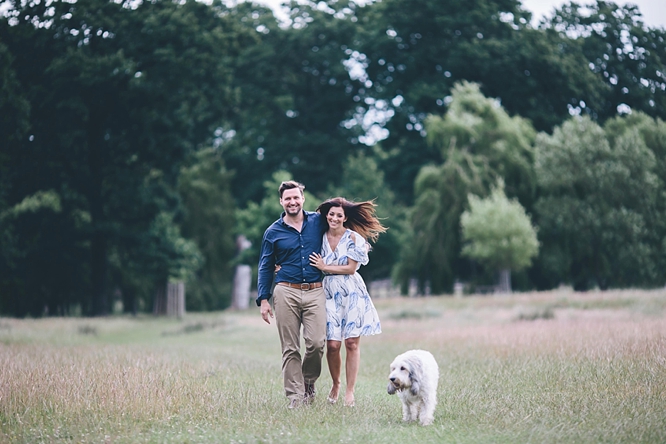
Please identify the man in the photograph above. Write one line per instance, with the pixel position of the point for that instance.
(298, 296)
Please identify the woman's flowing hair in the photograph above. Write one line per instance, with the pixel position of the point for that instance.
(360, 216)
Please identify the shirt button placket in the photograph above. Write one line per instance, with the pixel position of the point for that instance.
(300, 238)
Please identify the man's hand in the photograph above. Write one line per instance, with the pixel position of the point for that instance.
(266, 311)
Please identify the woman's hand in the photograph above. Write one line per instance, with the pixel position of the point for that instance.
(317, 261)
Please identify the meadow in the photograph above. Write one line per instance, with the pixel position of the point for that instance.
(551, 367)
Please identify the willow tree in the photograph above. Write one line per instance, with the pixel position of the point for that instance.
(499, 235)
(480, 143)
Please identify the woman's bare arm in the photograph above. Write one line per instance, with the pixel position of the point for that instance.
(318, 262)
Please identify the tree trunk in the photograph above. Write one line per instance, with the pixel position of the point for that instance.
(98, 244)
(99, 269)
(129, 300)
(504, 286)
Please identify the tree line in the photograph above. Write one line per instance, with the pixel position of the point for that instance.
(139, 139)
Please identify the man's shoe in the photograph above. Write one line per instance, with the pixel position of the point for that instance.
(294, 403)
(310, 392)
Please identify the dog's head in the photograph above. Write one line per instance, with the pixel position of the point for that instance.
(405, 371)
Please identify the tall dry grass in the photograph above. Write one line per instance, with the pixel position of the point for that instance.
(541, 367)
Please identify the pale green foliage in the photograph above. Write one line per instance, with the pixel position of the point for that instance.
(478, 125)
(480, 143)
(40, 200)
(498, 232)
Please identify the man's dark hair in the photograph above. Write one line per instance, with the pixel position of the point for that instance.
(290, 184)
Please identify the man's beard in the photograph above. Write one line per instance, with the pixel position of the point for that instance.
(293, 211)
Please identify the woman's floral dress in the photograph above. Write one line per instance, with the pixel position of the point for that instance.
(349, 310)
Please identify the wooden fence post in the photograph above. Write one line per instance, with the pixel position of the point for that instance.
(170, 300)
(240, 294)
(240, 299)
(159, 304)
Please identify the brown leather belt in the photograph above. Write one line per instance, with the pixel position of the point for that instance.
(304, 287)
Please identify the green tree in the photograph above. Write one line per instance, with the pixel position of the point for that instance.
(362, 180)
(119, 94)
(481, 126)
(14, 112)
(594, 207)
(653, 133)
(628, 57)
(14, 124)
(480, 143)
(498, 234)
(25, 249)
(295, 95)
(415, 51)
(205, 188)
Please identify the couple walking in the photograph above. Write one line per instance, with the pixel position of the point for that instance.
(306, 245)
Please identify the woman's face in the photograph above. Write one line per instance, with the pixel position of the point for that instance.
(335, 217)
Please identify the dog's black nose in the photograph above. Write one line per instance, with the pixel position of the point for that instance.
(392, 379)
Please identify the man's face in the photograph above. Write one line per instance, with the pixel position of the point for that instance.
(292, 201)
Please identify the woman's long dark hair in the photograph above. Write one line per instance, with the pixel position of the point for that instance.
(360, 216)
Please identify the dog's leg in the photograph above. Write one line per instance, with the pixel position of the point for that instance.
(406, 411)
(413, 411)
(427, 413)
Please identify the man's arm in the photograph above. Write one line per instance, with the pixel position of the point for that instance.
(266, 269)
(266, 312)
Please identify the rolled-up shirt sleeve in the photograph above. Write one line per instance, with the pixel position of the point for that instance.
(266, 269)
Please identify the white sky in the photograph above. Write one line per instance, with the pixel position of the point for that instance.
(654, 11)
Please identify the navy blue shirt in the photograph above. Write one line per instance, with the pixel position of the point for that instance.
(284, 245)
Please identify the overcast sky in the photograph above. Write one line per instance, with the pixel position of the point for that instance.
(654, 11)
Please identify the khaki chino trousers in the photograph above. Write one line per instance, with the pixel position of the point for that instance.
(295, 308)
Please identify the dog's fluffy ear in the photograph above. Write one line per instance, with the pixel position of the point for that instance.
(390, 389)
(414, 389)
(416, 370)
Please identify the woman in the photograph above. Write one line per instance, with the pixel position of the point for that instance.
(350, 313)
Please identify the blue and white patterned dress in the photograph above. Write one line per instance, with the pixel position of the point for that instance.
(350, 312)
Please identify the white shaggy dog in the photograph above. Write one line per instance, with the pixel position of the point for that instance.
(414, 376)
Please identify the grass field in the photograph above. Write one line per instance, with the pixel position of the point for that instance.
(556, 367)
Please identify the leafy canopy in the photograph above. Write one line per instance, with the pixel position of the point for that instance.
(498, 233)
(599, 197)
(480, 143)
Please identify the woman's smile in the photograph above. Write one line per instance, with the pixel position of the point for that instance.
(335, 217)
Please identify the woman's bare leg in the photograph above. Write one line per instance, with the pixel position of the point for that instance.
(352, 363)
(334, 367)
